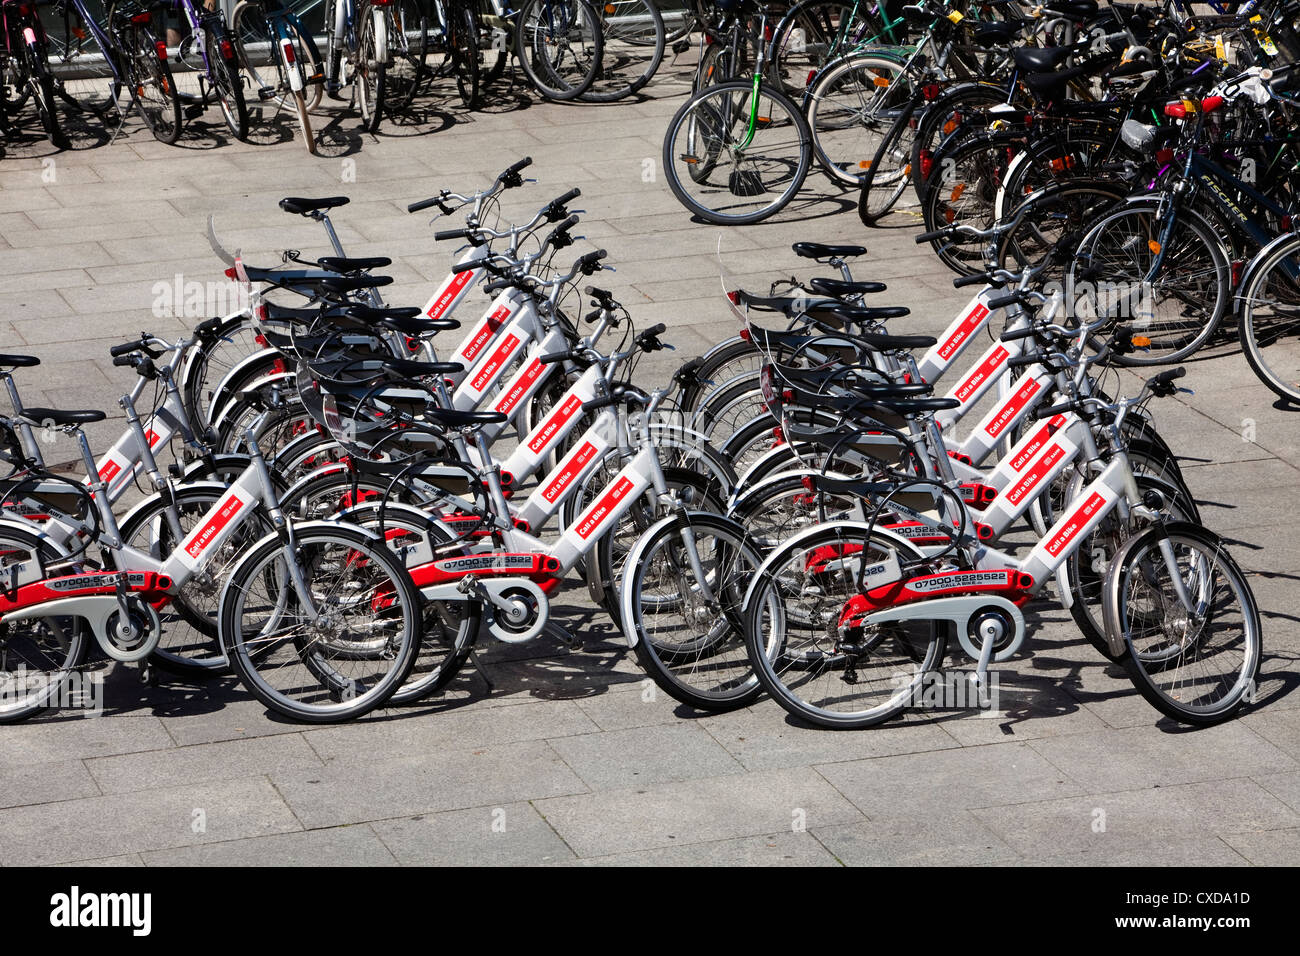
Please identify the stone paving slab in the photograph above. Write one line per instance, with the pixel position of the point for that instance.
(570, 756)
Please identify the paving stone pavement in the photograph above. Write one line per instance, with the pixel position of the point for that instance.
(569, 758)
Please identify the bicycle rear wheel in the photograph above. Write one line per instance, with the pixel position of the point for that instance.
(409, 48)
(152, 86)
(1270, 319)
(559, 46)
(632, 48)
(733, 156)
(890, 172)
(807, 645)
(36, 654)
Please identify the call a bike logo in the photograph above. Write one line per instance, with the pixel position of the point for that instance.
(75, 909)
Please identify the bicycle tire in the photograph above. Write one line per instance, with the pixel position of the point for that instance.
(631, 51)
(1269, 324)
(545, 35)
(711, 116)
(302, 672)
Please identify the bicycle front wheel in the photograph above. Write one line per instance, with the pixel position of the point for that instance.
(1270, 319)
(1173, 306)
(851, 108)
(344, 655)
(681, 602)
(734, 155)
(1195, 660)
(559, 46)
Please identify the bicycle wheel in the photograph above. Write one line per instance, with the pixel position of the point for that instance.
(851, 106)
(224, 78)
(559, 46)
(1269, 327)
(189, 644)
(270, 77)
(41, 85)
(813, 33)
(1052, 221)
(734, 156)
(36, 654)
(632, 47)
(409, 46)
(955, 114)
(806, 645)
(1175, 310)
(344, 656)
(83, 72)
(369, 80)
(450, 627)
(463, 53)
(681, 603)
(1086, 566)
(890, 171)
(962, 191)
(1197, 664)
(150, 77)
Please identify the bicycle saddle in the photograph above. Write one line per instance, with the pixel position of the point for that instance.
(82, 416)
(1040, 59)
(451, 418)
(303, 207)
(1079, 9)
(997, 32)
(409, 321)
(414, 369)
(345, 264)
(19, 361)
(341, 285)
(841, 315)
(835, 288)
(816, 250)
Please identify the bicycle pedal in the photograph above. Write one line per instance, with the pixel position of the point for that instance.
(681, 46)
(266, 92)
(194, 111)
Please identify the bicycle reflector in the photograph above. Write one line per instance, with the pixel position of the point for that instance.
(227, 50)
(140, 19)
(160, 47)
(1141, 342)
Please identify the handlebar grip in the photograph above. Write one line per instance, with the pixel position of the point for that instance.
(496, 285)
(522, 164)
(124, 348)
(124, 360)
(979, 278)
(567, 224)
(460, 267)
(1002, 301)
(422, 204)
(451, 234)
(1057, 409)
(567, 198)
(587, 264)
(1020, 361)
(1016, 334)
(1169, 374)
(656, 330)
(925, 237)
(553, 357)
